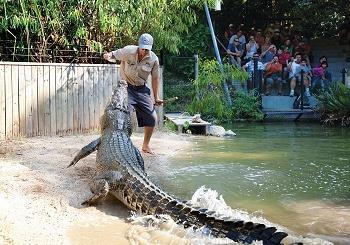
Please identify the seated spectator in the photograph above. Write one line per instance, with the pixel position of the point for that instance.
(306, 75)
(267, 55)
(240, 37)
(266, 44)
(259, 38)
(276, 39)
(273, 74)
(229, 32)
(235, 50)
(292, 69)
(288, 44)
(252, 48)
(321, 76)
(321, 60)
(284, 56)
(249, 67)
(304, 48)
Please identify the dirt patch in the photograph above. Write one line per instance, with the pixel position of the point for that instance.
(40, 198)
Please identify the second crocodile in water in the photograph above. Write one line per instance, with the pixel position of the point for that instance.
(120, 172)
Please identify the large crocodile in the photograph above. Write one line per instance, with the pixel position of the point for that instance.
(120, 172)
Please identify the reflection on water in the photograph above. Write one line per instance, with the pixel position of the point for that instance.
(294, 175)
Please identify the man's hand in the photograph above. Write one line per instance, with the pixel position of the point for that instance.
(158, 102)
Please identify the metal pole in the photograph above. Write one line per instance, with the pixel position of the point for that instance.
(196, 66)
(255, 72)
(343, 72)
(302, 90)
(217, 54)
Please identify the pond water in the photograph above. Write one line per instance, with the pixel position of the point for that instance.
(294, 175)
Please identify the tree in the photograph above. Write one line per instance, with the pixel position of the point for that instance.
(100, 24)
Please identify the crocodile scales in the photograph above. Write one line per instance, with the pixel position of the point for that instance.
(120, 172)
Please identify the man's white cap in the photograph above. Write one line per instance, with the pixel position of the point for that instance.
(146, 41)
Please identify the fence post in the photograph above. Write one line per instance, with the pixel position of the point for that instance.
(343, 72)
(255, 73)
(196, 66)
(302, 89)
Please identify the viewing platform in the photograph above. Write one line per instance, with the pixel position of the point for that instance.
(280, 108)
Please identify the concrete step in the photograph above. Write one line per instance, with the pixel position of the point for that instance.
(282, 102)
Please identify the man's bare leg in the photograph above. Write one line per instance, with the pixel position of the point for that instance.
(148, 131)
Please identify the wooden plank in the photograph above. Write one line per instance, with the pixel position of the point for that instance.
(53, 128)
(41, 101)
(15, 103)
(91, 98)
(80, 83)
(75, 99)
(28, 100)
(106, 84)
(64, 101)
(86, 124)
(47, 101)
(35, 111)
(22, 99)
(101, 93)
(59, 103)
(9, 101)
(35, 98)
(70, 81)
(2, 102)
(96, 97)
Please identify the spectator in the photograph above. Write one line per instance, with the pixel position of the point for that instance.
(267, 55)
(240, 37)
(292, 68)
(321, 76)
(304, 48)
(288, 44)
(235, 50)
(273, 74)
(259, 38)
(229, 32)
(266, 44)
(249, 67)
(321, 60)
(306, 75)
(276, 39)
(252, 48)
(284, 57)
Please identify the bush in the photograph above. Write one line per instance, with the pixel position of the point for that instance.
(247, 106)
(334, 105)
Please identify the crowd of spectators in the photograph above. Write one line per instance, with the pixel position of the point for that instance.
(283, 55)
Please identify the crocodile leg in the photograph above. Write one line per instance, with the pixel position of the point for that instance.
(85, 151)
(101, 184)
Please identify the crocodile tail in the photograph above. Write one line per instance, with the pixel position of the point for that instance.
(236, 230)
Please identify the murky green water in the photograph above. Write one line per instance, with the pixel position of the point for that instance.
(295, 175)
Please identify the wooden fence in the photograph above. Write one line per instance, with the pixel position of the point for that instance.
(53, 98)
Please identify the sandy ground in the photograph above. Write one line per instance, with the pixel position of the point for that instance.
(40, 198)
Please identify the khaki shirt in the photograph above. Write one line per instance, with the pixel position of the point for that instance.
(132, 70)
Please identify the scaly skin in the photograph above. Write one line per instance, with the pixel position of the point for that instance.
(120, 172)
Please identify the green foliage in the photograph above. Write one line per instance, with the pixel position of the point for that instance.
(208, 92)
(107, 23)
(247, 106)
(334, 105)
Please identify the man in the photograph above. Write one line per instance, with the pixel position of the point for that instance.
(268, 55)
(240, 37)
(293, 67)
(229, 32)
(137, 63)
(235, 50)
(249, 67)
(273, 74)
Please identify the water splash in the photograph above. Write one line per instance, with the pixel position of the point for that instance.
(161, 229)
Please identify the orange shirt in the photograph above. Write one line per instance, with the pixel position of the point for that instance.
(273, 68)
